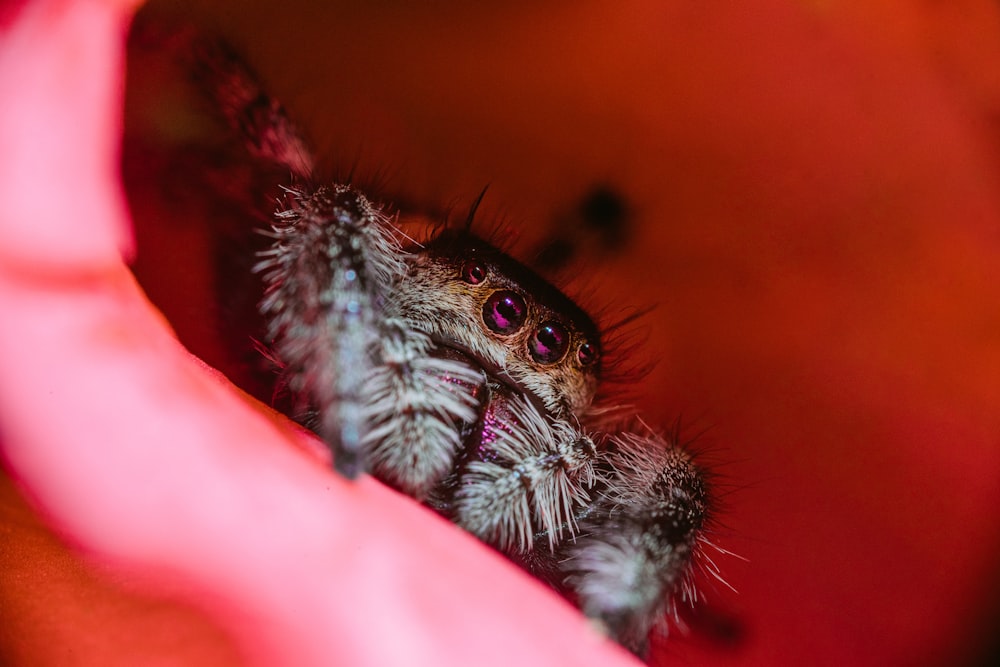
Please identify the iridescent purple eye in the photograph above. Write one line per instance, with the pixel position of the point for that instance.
(504, 312)
(549, 342)
(473, 272)
(587, 354)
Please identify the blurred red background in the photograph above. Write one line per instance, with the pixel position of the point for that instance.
(815, 217)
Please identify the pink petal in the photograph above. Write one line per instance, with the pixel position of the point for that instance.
(153, 464)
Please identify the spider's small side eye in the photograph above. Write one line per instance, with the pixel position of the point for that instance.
(587, 354)
(473, 272)
(549, 342)
(504, 312)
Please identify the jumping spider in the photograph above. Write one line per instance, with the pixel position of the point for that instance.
(459, 376)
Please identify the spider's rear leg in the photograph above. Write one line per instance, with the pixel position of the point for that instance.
(640, 540)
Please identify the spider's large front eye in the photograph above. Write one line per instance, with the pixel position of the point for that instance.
(473, 272)
(504, 312)
(549, 342)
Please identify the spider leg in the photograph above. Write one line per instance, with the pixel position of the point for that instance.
(638, 543)
(259, 120)
(334, 256)
(529, 480)
(333, 259)
(419, 402)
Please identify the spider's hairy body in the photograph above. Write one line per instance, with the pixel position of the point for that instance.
(459, 376)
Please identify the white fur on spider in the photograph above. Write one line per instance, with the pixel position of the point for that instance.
(374, 235)
(617, 576)
(415, 408)
(320, 275)
(643, 463)
(628, 570)
(537, 482)
(333, 257)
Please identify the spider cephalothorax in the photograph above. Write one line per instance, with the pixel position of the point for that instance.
(467, 294)
(456, 374)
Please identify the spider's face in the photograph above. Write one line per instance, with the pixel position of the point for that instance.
(471, 297)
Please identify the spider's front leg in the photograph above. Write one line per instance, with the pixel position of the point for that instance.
(333, 259)
(419, 403)
(640, 538)
(527, 480)
(385, 398)
(389, 400)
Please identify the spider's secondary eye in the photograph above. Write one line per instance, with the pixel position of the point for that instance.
(504, 312)
(549, 342)
(473, 272)
(587, 354)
